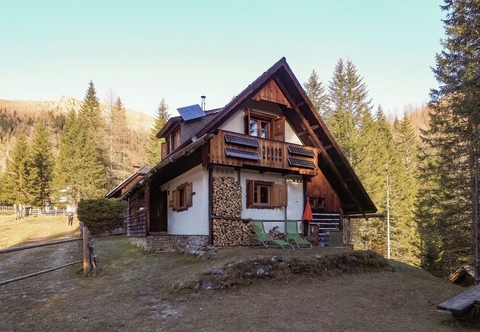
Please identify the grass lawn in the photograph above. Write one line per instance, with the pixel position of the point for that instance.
(136, 290)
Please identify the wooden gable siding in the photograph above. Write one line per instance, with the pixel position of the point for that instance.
(319, 187)
(271, 92)
(273, 154)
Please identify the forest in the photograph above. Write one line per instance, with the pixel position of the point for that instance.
(422, 175)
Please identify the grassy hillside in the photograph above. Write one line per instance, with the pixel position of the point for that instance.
(142, 291)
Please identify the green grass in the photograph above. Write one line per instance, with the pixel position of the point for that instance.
(135, 290)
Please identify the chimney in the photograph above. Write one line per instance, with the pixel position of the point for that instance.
(203, 102)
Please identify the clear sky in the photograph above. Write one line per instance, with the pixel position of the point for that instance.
(179, 50)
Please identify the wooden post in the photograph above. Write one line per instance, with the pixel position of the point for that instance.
(86, 252)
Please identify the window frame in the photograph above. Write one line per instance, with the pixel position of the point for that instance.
(275, 126)
(276, 194)
(182, 197)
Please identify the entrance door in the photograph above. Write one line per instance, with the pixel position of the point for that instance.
(158, 212)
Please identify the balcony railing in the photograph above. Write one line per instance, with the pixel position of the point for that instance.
(229, 148)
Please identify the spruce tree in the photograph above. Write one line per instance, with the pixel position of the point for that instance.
(18, 181)
(317, 94)
(90, 109)
(454, 134)
(42, 155)
(153, 148)
(349, 102)
(79, 171)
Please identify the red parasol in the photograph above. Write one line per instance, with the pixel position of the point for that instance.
(307, 214)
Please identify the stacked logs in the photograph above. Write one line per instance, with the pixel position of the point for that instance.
(228, 227)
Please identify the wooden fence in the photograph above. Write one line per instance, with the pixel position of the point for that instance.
(89, 257)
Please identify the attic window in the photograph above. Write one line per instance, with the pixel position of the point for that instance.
(182, 197)
(264, 125)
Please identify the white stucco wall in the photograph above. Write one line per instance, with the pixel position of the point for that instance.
(195, 220)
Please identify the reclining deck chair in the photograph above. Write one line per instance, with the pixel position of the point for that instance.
(264, 238)
(291, 232)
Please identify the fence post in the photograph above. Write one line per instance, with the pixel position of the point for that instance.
(86, 254)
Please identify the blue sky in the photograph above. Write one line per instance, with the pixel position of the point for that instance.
(179, 50)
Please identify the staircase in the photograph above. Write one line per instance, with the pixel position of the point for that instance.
(159, 242)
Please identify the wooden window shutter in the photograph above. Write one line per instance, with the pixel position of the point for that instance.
(175, 200)
(249, 193)
(279, 195)
(188, 194)
(164, 149)
(279, 129)
(247, 121)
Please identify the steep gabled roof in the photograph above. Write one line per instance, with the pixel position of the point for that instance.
(309, 127)
(311, 130)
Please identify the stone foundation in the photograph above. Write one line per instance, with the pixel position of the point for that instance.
(153, 243)
(191, 244)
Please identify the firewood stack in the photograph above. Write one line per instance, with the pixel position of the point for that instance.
(228, 228)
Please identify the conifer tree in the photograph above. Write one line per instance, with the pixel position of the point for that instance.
(18, 180)
(317, 94)
(42, 155)
(349, 102)
(120, 165)
(90, 110)
(454, 135)
(153, 148)
(79, 171)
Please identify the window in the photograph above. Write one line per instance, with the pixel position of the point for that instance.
(182, 197)
(265, 194)
(264, 125)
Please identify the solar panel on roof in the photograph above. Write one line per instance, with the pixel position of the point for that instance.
(240, 140)
(242, 154)
(301, 163)
(300, 151)
(191, 112)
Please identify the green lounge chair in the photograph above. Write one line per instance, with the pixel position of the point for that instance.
(264, 238)
(291, 232)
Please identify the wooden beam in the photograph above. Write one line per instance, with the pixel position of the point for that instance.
(318, 143)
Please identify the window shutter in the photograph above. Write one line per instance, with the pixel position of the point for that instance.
(279, 195)
(188, 195)
(164, 150)
(175, 200)
(249, 193)
(279, 129)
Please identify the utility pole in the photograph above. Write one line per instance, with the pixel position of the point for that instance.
(476, 228)
(388, 215)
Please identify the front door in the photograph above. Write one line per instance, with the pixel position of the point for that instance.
(158, 212)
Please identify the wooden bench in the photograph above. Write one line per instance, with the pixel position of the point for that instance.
(462, 304)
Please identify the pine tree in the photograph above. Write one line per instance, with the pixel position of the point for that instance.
(153, 148)
(350, 103)
(18, 180)
(120, 165)
(317, 94)
(454, 135)
(90, 109)
(79, 171)
(42, 155)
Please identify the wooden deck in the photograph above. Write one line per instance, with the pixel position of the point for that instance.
(462, 302)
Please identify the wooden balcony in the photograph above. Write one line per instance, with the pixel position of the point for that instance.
(233, 149)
